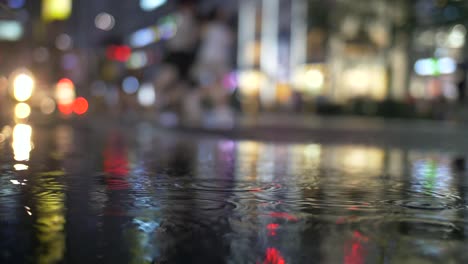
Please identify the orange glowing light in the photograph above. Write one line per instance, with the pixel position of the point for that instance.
(80, 106)
(65, 91)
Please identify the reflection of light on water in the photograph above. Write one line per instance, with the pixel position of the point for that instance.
(312, 151)
(20, 167)
(266, 164)
(143, 240)
(22, 145)
(64, 139)
(362, 158)
(305, 156)
(248, 154)
(432, 172)
(50, 217)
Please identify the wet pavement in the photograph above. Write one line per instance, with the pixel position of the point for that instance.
(95, 193)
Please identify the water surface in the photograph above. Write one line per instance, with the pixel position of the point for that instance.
(89, 194)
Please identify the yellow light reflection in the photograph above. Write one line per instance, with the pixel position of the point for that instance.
(23, 85)
(248, 154)
(22, 110)
(363, 159)
(50, 217)
(22, 145)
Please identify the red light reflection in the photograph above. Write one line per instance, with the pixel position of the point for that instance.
(273, 256)
(284, 215)
(272, 229)
(354, 250)
(116, 164)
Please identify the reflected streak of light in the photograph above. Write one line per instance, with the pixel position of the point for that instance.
(20, 167)
(354, 250)
(272, 227)
(50, 218)
(283, 215)
(273, 256)
(22, 145)
(15, 182)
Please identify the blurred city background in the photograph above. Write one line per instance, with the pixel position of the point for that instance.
(308, 131)
(206, 62)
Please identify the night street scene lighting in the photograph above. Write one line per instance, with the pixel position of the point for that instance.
(233, 131)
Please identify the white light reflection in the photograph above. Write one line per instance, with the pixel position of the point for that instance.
(22, 144)
(20, 167)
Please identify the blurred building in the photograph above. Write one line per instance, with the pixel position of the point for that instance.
(342, 50)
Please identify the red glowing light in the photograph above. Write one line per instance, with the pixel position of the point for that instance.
(65, 82)
(118, 53)
(65, 109)
(284, 216)
(272, 229)
(272, 226)
(80, 106)
(273, 256)
(354, 250)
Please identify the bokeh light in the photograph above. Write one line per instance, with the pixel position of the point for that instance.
(137, 60)
(65, 91)
(23, 86)
(47, 105)
(56, 9)
(15, 4)
(146, 95)
(80, 106)
(63, 42)
(104, 21)
(130, 85)
(10, 30)
(22, 110)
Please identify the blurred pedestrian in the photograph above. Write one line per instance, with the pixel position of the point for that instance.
(182, 47)
(214, 63)
(213, 58)
(462, 87)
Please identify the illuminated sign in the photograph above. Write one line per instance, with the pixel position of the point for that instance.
(10, 30)
(56, 9)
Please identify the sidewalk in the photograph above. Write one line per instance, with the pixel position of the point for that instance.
(428, 134)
